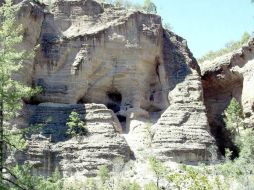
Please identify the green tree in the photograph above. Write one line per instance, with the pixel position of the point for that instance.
(234, 117)
(26, 181)
(149, 7)
(76, 127)
(11, 91)
(158, 168)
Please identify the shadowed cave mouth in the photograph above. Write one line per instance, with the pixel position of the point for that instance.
(223, 136)
(114, 103)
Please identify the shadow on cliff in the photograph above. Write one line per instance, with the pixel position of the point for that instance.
(178, 59)
(217, 96)
(53, 118)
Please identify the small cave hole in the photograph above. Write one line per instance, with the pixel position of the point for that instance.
(115, 97)
(114, 107)
(81, 101)
(114, 103)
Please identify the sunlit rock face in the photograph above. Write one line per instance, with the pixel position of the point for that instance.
(181, 133)
(129, 72)
(224, 78)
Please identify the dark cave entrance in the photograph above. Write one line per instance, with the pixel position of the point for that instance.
(223, 138)
(114, 103)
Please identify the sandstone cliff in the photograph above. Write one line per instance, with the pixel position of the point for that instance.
(224, 78)
(123, 73)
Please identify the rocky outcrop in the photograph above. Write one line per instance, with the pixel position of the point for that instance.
(54, 148)
(224, 78)
(122, 59)
(181, 133)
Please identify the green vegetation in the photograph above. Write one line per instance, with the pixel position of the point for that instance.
(190, 178)
(149, 7)
(230, 47)
(241, 169)
(26, 181)
(158, 168)
(11, 94)
(11, 91)
(234, 118)
(237, 173)
(103, 174)
(151, 186)
(76, 127)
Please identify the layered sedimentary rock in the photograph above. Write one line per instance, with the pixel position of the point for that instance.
(96, 53)
(54, 148)
(224, 78)
(181, 133)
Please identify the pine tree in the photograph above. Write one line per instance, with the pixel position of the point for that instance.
(11, 91)
(233, 118)
(76, 126)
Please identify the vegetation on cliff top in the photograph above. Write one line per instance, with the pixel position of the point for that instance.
(230, 47)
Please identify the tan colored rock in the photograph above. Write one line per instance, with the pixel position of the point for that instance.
(224, 78)
(182, 132)
(79, 156)
(124, 59)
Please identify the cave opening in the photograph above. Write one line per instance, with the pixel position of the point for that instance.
(223, 136)
(114, 103)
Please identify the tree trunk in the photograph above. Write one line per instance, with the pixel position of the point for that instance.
(1, 138)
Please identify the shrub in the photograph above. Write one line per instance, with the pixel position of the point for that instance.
(151, 186)
(158, 168)
(233, 119)
(149, 7)
(76, 126)
(190, 178)
(103, 174)
(127, 185)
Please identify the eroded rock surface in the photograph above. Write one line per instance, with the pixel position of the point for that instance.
(181, 133)
(54, 148)
(124, 60)
(226, 77)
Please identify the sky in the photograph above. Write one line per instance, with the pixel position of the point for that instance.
(207, 24)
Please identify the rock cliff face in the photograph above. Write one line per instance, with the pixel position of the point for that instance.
(224, 78)
(123, 73)
(181, 131)
(79, 155)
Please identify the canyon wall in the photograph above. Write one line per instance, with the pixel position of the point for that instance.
(135, 84)
(224, 78)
